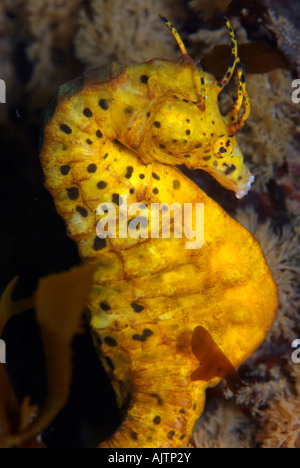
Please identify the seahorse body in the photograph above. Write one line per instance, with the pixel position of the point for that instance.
(119, 132)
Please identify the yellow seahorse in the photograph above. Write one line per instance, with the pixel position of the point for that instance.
(112, 138)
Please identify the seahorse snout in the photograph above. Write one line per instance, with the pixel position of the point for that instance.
(232, 173)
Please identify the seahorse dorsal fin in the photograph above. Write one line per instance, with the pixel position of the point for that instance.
(213, 361)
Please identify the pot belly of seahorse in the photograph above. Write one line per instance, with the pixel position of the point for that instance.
(149, 293)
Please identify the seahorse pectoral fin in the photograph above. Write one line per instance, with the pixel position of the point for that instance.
(213, 361)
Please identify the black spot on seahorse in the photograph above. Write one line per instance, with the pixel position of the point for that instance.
(105, 306)
(230, 169)
(176, 184)
(116, 199)
(129, 172)
(73, 193)
(146, 333)
(159, 399)
(137, 307)
(144, 79)
(99, 243)
(65, 169)
(171, 435)
(104, 104)
(110, 341)
(84, 213)
(102, 185)
(88, 113)
(92, 168)
(66, 129)
(134, 435)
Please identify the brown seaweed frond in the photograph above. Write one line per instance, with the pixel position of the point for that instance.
(59, 303)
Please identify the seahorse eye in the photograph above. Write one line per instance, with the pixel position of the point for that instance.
(223, 147)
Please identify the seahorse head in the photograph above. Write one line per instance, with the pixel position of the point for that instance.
(183, 133)
(190, 129)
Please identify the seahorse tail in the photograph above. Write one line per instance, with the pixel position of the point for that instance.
(159, 417)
